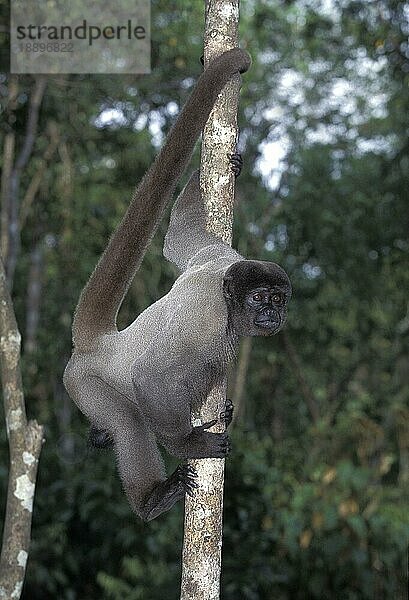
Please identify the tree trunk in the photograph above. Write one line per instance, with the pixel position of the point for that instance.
(25, 440)
(201, 560)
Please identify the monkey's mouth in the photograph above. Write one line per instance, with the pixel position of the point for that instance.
(268, 320)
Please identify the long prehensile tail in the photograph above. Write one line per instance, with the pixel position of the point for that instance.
(102, 296)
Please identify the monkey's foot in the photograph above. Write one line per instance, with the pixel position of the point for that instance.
(199, 443)
(170, 491)
(236, 162)
(99, 438)
(205, 444)
(227, 414)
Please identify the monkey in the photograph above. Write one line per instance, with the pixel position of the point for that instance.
(139, 385)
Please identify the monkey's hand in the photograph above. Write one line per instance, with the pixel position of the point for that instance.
(227, 414)
(236, 162)
(99, 438)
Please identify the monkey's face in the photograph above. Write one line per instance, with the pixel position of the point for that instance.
(256, 294)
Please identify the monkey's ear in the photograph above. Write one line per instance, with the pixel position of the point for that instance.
(202, 59)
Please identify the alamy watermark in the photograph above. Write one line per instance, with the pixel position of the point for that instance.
(74, 36)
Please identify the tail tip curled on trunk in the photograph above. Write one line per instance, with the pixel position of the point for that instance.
(235, 60)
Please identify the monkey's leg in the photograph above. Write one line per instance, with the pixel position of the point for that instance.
(140, 463)
(141, 469)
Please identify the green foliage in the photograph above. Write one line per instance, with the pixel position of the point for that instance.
(317, 494)
(304, 531)
(319, 528)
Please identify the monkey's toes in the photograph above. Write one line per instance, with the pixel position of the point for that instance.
(187, 475)
(224, 445)
(208, 424)
(187, 472)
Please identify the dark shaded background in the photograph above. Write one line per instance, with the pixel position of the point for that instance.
(316, 499)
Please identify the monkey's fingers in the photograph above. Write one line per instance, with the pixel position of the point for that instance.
(226, 447)
(224, 444)
(189, 491)
(209, 424)
(100, 438)
(227, 414)
(236, 162)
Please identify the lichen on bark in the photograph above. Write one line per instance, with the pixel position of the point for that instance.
(25, 441)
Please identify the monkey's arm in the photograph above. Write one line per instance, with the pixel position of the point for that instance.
(172, 376)
(187, 234)
(102, 296)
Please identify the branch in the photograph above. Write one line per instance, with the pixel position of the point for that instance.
(240, 379)
(34, 297)
(335, 391)
(25, 441)
(306, 391)
(21, 162)
(203, 512)
(37, 178)
(8, 160)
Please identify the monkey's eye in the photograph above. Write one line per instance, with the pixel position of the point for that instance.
(257, 297)
(277, 298)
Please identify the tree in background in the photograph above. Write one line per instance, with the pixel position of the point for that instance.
(317, 483)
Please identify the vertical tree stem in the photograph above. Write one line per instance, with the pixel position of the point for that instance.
(241, 376)
(15, 176)
(8, 158)
(201, 560)
(25, 440)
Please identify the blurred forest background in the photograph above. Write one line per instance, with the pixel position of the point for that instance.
(316, 498)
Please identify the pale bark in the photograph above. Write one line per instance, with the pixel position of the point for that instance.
(204, 511)
(25, 441)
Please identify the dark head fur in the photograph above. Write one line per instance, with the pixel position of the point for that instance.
(246, 276)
